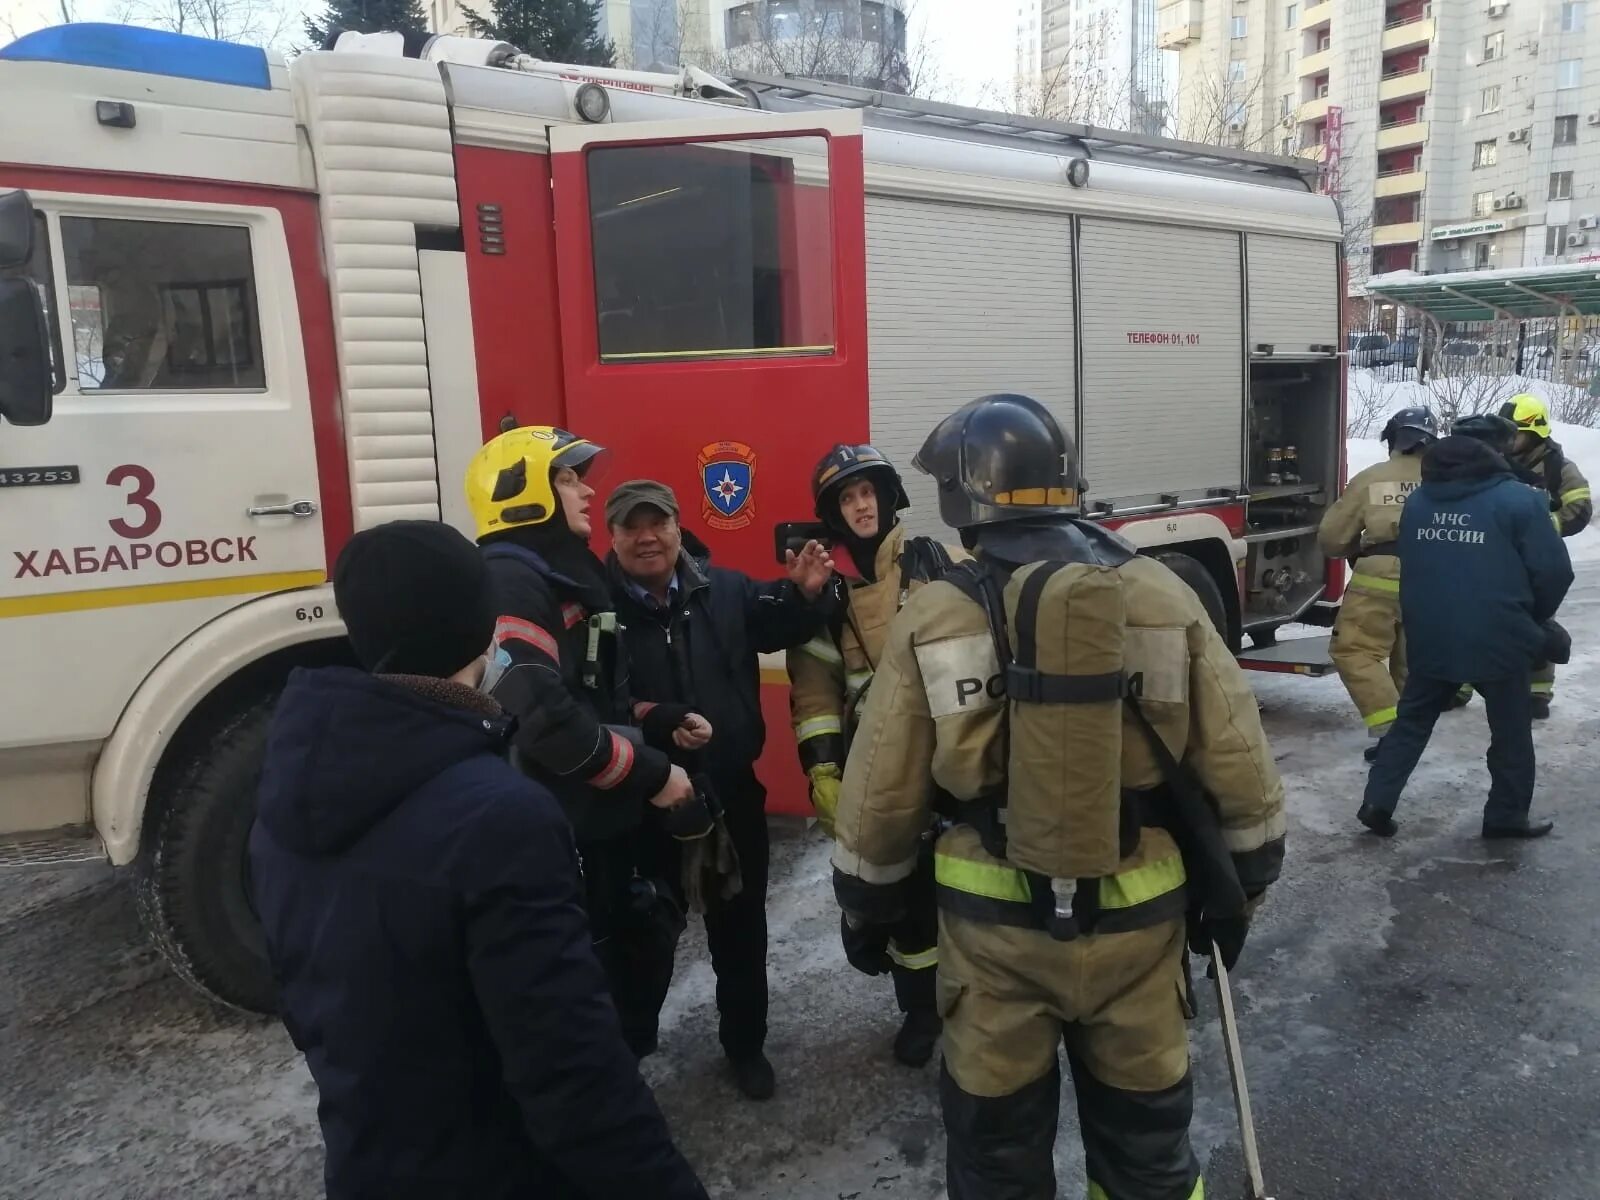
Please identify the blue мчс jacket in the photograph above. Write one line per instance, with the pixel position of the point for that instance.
(1482, 566)
(420, 901)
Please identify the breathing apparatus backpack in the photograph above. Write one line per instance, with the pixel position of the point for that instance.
(1060, 633)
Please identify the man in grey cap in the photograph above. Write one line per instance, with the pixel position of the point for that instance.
(693, 634)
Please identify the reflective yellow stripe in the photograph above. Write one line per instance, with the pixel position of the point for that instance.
(856, 678)
(817, 727)
(1544, 687)
(159, 593)
(824, 649)
(1096, 1192)
(1575, 494)
(1141, 884)
(1555, 519)
(1374, 583)
(1384, 716)
(981, 879)
(922, 961)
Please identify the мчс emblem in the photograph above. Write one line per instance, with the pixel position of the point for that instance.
(728, 474)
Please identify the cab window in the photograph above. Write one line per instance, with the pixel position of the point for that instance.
(161, 306)
(38, 269)
(713, 250)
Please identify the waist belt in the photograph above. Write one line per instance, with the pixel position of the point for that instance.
(1390, 547)
(1084, 910)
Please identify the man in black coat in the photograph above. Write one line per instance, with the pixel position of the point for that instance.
(692, 634)
(421, 906)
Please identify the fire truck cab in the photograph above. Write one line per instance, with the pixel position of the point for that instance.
(278, 303)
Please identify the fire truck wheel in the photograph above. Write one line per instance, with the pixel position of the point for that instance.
(1200, 581)
(191, 877)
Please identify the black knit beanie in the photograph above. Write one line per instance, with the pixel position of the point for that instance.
(414, 596)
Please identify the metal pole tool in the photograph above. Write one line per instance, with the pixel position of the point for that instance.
(1256, 1188)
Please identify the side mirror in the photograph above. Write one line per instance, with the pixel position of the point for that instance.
(26, 376)
(16, 229)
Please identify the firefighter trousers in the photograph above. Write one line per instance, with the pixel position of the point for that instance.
(636, 923)
(1544, 679)
(1120, 1001)
(1368, 651)
(914, 941)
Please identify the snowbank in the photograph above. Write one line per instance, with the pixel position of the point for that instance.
(1581, 444)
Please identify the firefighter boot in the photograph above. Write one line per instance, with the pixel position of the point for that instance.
(913, 1045)
(1544, 688)
(1381, 823)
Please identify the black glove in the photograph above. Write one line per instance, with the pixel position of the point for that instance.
(659, 722)
(1228, 934)
(866, 946)
(688, 822)
(1557, 643)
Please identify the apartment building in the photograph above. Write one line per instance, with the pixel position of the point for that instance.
(1096, 61)
(1458, 134)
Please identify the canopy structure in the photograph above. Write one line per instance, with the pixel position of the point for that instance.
(1516, 294)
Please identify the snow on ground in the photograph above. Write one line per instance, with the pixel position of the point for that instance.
(1580, 443)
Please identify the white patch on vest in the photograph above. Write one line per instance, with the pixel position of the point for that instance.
(961, 675)
(1156, 663)
(1392, 494)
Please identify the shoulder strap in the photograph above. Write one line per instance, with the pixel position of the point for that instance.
(1554, 463)
(1024, 681)
(978, 584)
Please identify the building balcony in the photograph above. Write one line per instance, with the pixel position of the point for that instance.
(1312, 110)
(1403, 234)
(1403, 35)
(1316, 153)
(1179, 24)
(1400, 183)
(1397, 137)
(1313, 16)
(1416, 81)
(1315, 64)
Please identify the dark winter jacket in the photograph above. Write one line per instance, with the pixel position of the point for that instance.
(1483, 566)
(421, 909)
(573, 732)
(703, 652)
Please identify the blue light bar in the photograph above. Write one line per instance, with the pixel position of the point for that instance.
(150, 51)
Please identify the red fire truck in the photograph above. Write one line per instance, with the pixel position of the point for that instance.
(267, 304)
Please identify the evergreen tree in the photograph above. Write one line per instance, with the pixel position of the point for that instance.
(367, 16)
(554, 30)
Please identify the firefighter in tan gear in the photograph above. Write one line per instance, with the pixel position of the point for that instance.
(1043, 696)
(858, 495)
(1368, 646)
(1540, 461)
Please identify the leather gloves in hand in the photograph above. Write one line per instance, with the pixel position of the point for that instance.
(866, 946)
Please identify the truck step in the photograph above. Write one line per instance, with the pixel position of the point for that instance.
(1294, 656)
(67, 846)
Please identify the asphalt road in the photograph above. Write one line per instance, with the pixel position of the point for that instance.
(1421, 1016)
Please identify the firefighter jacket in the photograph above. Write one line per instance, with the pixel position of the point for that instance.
(1547, 467)
(1363, 523)
(936, 719)
(830, 672)
(566, 684)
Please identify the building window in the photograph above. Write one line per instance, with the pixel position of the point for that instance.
(1291, 16)
(1288, 62)
(1486, 154)
(1236, 70)
(711, 251)
(1569, 73)
(1481, 253)
(1555, 240)
(163, 306)
(1324, 42)
(1567, 130)
(1561, 185)
(1288, 147)
(1237, 114)
(1491, 100)
(1572, 16)
(1240, 28)
(1286, 105)
(1482, 204)
(1494, 46)
(741, 25)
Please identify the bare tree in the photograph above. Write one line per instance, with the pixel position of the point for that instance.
(1083, 86)
(670, 33)
(1217, 110)
(253, 22)
(1367, 404)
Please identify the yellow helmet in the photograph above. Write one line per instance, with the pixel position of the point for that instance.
(1528, 413)
(510, 481)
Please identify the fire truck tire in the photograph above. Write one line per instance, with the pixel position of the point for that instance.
(191, 878)
(1201, 582)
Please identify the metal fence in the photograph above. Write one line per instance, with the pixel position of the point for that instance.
(1475, 366)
